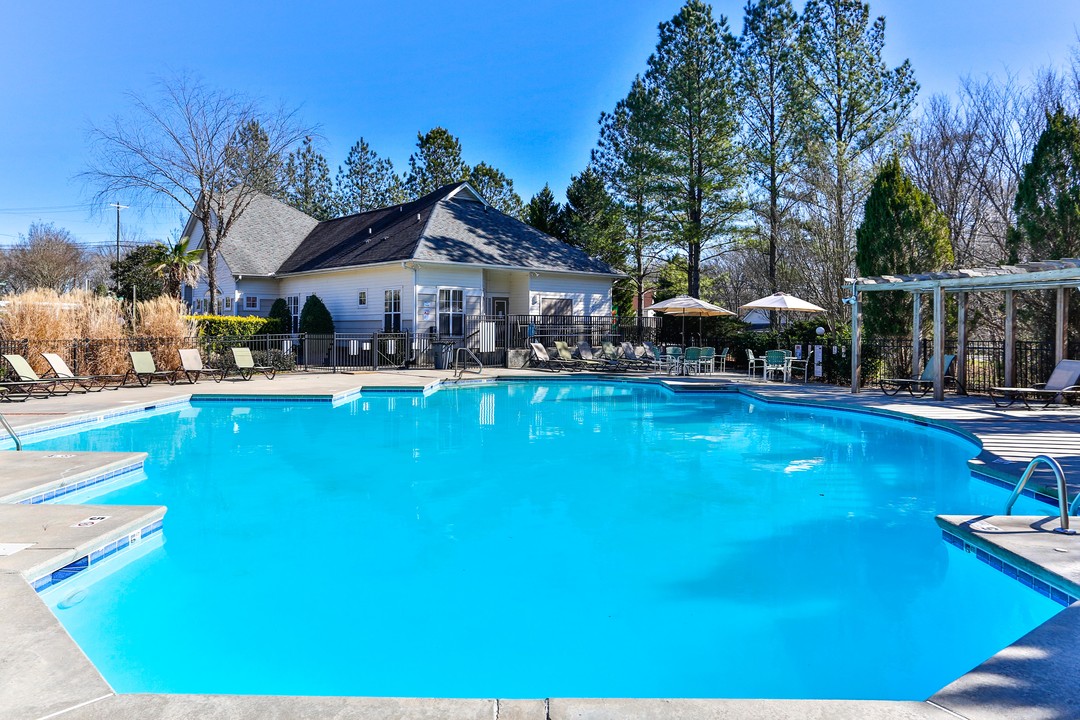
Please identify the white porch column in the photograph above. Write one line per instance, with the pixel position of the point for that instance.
(939, 342)
(1010, 338)
(856, 341)
(916, 334)
(961, 341)
(1061, 329)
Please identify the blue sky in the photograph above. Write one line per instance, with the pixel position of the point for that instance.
(521, 84)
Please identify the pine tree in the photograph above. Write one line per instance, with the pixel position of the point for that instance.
(545, 214)
(253, 163)
(854, 105)
(691, 77)
(1047, 209)
(436, 162)
(1047, 202)
(308, 186)
(902, 232)
(496, 189)
(624, 159)
(315, 317)
(367, 181)
(594, 224)
(768, 85)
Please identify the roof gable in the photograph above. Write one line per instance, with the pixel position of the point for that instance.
(265, 235)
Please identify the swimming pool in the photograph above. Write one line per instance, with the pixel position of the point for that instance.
(543, 540)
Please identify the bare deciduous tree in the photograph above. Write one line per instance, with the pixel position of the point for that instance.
(179, 146)
(46, 257)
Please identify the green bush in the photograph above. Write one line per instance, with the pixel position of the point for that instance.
(233, 325)
(315, 318)
(280, 311)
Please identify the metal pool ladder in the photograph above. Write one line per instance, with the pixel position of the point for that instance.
(461, 361)
(11, 432)
(1062, 488)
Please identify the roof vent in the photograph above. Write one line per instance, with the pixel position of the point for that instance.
(369, 231)
(417, 217)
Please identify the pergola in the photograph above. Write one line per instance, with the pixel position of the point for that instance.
(1060, 275)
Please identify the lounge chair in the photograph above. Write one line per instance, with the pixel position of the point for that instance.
(630, 358)
(657, 357)
(542, 359)
(245, 364)
(191, 365)
(920, 386)
(1062, 386)
(610, 351)
(585, 354)
(144, 369)
(59, 369)
(32, 381)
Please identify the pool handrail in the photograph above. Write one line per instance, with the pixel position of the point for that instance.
(1063, 491)
(11, 431)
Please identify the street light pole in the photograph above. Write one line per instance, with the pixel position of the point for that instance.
(118, 207)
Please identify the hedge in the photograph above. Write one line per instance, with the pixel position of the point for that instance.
(233, 325)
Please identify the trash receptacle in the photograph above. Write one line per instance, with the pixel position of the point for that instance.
(444, 354)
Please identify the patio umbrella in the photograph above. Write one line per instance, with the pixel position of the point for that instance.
(685, 305)
(782, 302)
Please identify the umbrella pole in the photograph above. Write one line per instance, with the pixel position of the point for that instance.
(684, 330)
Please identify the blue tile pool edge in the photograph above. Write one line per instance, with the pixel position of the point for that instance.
(97, 479)
(1039, 585)
(97, 555)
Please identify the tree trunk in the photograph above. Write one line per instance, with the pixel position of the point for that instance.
(210, 251)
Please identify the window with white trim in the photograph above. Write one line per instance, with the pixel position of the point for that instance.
(451, 312)
(251, 302)
(361, 298)
(392, 310)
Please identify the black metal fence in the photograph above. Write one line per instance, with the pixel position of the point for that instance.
(891, 357)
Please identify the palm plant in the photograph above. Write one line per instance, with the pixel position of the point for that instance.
(177, 264)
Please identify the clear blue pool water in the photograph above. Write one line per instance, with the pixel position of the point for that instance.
(543, 540)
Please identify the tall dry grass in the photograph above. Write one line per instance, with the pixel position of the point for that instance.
(92, 333)
(163, 324)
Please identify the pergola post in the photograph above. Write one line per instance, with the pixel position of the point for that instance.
(856, 341)
(1010, 338)
(961, 341)
(939, 342)
(916, 334)
(1061, 329)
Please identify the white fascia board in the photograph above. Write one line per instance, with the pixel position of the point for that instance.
(479, 266)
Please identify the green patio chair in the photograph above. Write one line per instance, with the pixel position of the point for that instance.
(144, 369)
(246, 366)
(775, 362)
(707, 363)
(691, 361)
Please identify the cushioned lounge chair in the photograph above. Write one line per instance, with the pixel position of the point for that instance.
(44, 386)
(246, 366)
(58, 368)
(920, 386)
(144, 369)
(191, 365)
(1063, 386)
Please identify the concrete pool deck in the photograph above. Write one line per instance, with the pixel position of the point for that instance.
(43, 674)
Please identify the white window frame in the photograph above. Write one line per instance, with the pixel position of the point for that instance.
(389, 313)
(449, 312)
(248, 304)
(361, 298)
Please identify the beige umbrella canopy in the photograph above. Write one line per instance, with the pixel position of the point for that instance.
(783, 301)
(685, 305)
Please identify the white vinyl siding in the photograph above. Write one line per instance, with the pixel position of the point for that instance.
(339, 291)
(589, 295)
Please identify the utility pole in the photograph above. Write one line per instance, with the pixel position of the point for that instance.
(118, 207)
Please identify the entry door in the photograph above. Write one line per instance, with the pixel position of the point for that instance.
(500, 307)
(293, 302)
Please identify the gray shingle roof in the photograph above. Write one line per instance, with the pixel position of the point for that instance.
(439, 227)
(264, 236)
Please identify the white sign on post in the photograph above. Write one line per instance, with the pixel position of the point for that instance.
(817, 361)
